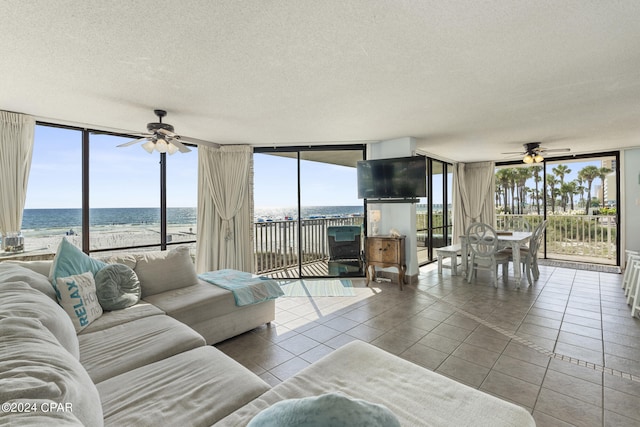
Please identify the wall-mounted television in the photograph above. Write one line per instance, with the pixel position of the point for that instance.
(397, 178)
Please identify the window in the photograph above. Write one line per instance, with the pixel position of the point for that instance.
(124, 195)
(53, 206)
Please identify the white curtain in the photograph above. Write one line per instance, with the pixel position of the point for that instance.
(16, 149)
(225, 208)
(473, 195)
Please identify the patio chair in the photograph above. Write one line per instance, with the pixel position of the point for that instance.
(345, 250)
(482, 244)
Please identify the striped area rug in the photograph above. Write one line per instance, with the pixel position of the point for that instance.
(318, 288)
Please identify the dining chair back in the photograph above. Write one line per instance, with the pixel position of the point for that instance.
(482, 243)
(517, 223)
(530, 254)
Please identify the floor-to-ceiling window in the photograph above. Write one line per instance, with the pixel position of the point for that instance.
(103, 198)
(299, 193)
(578, 195)
(53, 206)
(433, 220)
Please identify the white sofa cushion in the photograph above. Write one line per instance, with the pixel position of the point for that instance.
(110, 319)
(128, 346)
(12, 272)
(33, 365)
(414, 394)
(18, 299)
(195, 388)
(162, 271)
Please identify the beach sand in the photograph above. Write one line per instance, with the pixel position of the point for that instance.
(104, 237)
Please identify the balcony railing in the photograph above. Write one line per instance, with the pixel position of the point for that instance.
(276, 242)
(587, 238)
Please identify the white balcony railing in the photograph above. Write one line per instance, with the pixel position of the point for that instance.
(586, 238)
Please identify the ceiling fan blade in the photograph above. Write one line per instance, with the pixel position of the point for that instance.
(166, 133)
(135, 141)
(515, 152)
(556, 150)
(180, 145)
(199, 142)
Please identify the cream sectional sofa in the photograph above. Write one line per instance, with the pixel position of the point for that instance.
(150, 365)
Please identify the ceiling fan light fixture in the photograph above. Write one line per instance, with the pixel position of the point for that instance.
(538, 158)
(528, 159)
(161, 146)
(149, 146)
(172, 149)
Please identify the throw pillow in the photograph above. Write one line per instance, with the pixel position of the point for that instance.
(70, 260)
(117, 287)
(331, 409)
(77, 295)
(162, 271)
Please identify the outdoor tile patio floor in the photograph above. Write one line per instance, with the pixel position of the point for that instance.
(565, 348)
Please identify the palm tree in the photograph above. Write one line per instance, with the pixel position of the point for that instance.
(580, 188)
(537, 178)
(521, 177)
(588, 174)
(570, 189)
(502, 177)
(560, 171)
(602, 174)
(553, 191)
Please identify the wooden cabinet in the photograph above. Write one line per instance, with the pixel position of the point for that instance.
(384, 252)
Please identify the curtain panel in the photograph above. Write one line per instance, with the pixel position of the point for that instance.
(225, 208)
(16, 150)
(473, 196)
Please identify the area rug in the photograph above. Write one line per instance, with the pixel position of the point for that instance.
(580, 266)
(318, 288)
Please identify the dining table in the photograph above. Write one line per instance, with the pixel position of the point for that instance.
(506, 239)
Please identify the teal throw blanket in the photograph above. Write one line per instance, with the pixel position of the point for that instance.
(247, 288)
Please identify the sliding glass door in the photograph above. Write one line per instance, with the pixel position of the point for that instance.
(303, 197)
(434, 212)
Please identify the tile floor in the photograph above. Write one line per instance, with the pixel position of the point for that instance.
(566, 348)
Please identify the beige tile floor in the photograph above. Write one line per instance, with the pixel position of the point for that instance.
(566, 348)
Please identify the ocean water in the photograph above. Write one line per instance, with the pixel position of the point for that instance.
(36, 219)
(46, 219)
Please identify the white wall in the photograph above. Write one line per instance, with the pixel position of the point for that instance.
(630, 203)
(401, 216)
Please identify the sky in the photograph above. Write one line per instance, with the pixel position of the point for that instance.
(129, 176)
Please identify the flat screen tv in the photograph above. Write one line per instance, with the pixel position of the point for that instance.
(398, 178)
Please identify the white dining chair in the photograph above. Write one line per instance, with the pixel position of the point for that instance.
(634, 288)
(631, 255)
(529, 255)
(517, 223)
(482, 244)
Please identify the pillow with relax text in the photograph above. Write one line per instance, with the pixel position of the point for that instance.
(77, 295)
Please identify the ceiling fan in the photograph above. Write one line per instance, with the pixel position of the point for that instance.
(160, 137)
(534, 153)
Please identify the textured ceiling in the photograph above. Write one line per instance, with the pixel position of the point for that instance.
(468, 79)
